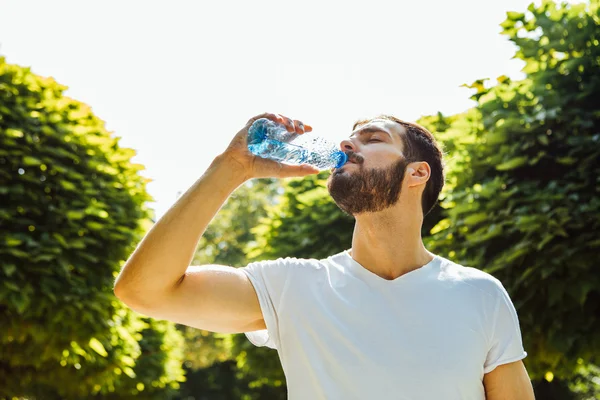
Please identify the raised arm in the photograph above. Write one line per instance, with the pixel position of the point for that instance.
(157, 280)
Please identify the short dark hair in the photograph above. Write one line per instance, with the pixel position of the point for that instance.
(420, 145)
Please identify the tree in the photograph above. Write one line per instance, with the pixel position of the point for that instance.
(72, 206)
(306, 223)
(230, 233)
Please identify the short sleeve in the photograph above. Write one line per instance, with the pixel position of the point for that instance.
(506, 344)
(269, 280)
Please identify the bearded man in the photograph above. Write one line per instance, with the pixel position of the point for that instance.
(385, 319)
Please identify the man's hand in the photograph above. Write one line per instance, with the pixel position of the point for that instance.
(251, 166)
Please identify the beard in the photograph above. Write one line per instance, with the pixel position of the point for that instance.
(366, 190)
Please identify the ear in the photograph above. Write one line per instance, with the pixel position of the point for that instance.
(417, 173)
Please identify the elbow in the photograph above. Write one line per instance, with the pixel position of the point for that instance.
(127, 285)
(124, 291)
(132, 299)
(119, 291)
(120, 286)
(141, 298)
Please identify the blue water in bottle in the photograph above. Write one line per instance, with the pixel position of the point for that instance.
(269, 139)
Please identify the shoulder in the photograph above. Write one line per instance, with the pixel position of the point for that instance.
(287, 262)
(470, 277)
(284, 267)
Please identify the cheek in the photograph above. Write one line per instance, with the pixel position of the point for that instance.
(377, 161)
(379, 158)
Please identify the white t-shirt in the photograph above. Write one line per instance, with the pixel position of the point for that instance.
(343, 332)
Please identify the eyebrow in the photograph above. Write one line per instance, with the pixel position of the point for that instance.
(370, 130)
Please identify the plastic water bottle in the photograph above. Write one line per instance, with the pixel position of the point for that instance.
(269, 139)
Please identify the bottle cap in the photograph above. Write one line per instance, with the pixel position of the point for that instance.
(258, 131)
(341, 158)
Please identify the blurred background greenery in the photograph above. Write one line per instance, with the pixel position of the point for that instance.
(521, 202)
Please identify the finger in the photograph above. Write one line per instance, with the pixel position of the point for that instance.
(289, 171)
(299, 127)
(280, 118)
(271, 116)
(289, 124)
(307, 128)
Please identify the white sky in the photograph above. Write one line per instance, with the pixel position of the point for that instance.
(177, 79)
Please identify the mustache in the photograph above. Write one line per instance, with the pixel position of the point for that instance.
(355, 158)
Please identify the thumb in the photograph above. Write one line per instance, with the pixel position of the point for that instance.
(288, 171)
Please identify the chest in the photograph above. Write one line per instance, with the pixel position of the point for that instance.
(428, 332)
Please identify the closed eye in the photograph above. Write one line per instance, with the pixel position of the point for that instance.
(373, 140)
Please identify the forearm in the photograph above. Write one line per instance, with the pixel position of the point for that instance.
(163, 256)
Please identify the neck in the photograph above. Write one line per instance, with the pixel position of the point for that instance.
(388, 243)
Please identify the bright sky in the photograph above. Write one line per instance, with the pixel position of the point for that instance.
(177, 79)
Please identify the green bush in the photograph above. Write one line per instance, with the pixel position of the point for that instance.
(71, 210)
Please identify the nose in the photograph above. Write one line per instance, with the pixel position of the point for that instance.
(347, 145)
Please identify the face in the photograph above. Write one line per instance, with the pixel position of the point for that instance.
(372, 179)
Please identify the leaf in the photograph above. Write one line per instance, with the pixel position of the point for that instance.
(585, 288)
(129, 372)
(67, 185)
(544, 241)
(440, 226)
(515, 16)
(474, 219)
(526, 274)
(9, 269)
(77, 349)
(31, 161)
(503, 78)
(12, 241)
(60, 238)
(507, 23)
(130, 362)
(77, 244)
(13, 133)
(512, 163)
(12, 286)
(96, 226)
(21, 301)
(43, 257)
(75, 215)
(566, 160)
(17, 253)
(496, 137)
(98, 347)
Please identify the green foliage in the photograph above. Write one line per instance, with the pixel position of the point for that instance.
(305, 224)
(203, 348)
(224, 381)
(525, 202)
(158, 370)
(229, 234)
(71, 210)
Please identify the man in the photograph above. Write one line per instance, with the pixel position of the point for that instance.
(385, 319)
